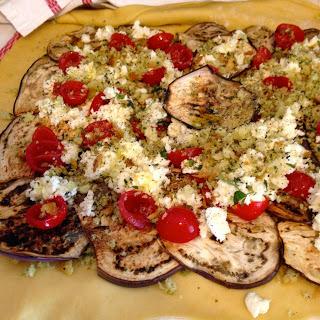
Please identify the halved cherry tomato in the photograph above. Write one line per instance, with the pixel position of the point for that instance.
(181, 56)
(56, 88)
(96, 131)
(44, 133)
(73, 92)
(48, 215)
(299, 184)
(135, 125)
(69, 59)
(178, 224)
(287, 34)
(263, 54)
(119, 40)
(318, 129)
(278, 82)
(98, 101)
(160, 41)
(250, 211)
(154, 76)
(176, 157)
(40, 155)
(135, 206)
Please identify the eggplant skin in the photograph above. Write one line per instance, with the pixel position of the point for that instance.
(202, 98)
(31, 85)
(299, 250)
(249, 257)
(311, 32)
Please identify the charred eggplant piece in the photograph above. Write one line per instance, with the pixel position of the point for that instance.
(311, 32)
(200, 33)
(13, 142)
(202, 98)
(21, 241)
(260, 36)
(249, 257)
(126, 256)
(299, 250)
(59, 46)
(31, 86)
(290, 208)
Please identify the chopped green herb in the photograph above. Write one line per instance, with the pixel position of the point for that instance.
(238, 196)
(164, 154)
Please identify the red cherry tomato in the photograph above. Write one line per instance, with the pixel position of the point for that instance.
(160, 41)
(119, 40)
(287, 34)
(40, 155)
(181, 56)
(73, 92)
(176, 157)
(178, 224)
(250, 211)
(278, 82)
(299, 184)
(135, 125)
(318, 129)
(154, 76)
(39, 217)
(44, 133)
(135, 207)
(98, 101)
(69, 59)
(56, 89)
(263, 54)
(96, 131)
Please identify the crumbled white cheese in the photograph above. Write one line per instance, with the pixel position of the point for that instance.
(85, 72)
(256, 305)
(110, 92)
(191, 165)
(104, 33)
(190, 196)
(85, 38)
(86, 207)
(70, 151)
(216, 219)
(223, 193)
(139, 32)
(46, 187)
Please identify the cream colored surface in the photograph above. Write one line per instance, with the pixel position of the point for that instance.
(53, 295)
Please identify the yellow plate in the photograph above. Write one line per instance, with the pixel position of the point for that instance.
(53, 295)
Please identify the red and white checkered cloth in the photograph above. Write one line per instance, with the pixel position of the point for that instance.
(20, 17)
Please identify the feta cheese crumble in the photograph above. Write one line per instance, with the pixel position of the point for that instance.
(256, 305)
(70, 152)
(86, 207)
(47, 187)
(216, 219)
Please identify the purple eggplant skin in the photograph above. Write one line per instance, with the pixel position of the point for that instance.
(35, 258)
(136, 284)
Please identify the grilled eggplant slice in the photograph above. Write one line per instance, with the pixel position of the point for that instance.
(59, 46)
(311, 32)
(299, 250)
(200, 33)
(13, 143)
(202, 98)
(31, 86)
(290, 208)
(20, 240)
(260, 36)
(125, 256)
(249, 257)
